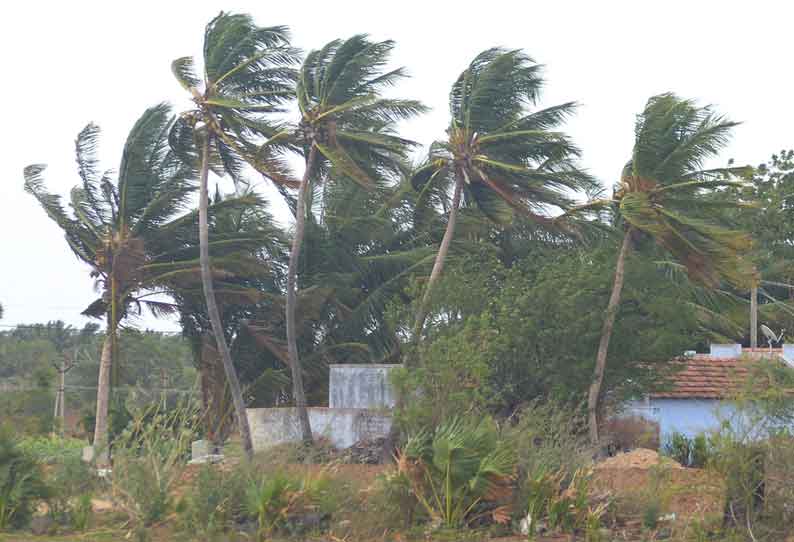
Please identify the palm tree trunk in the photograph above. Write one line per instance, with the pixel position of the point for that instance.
(412, 359)
(606, 335)
(103, 399)
(441, 257)
(212, 307)
(292, 272)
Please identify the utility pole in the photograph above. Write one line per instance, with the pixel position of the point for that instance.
(754, 314)
(60, 401)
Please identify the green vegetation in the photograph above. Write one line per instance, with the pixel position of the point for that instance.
(525, 305)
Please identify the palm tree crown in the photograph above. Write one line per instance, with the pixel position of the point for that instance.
(665, 191)
(344, 115)
(127, 231)
(508, 157)
(248, 76)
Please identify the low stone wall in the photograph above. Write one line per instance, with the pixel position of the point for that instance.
(342, 426)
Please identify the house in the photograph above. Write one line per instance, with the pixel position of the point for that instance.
(696, 401)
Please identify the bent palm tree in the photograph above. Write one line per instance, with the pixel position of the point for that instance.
(126, 231)
(347, 132)
(502, 157)
(249, 235)
(665, 193)
(247, 75)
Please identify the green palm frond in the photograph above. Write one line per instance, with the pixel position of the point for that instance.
(248, 76)
(666, 193)
(510, 159)
(343, 114)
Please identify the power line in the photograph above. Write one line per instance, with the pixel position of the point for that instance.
(149, 390)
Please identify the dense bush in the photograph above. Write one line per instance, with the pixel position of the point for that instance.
(560, 501)
(21, 484)
(71, 483)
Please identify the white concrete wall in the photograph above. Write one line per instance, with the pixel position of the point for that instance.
(360, 386)
(342, 426)
(687, 416)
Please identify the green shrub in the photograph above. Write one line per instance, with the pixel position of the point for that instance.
(678, 447)
(274, 500)
(215, 500)
(701, 452)
(693, 452)
(50, 449)
(650, 516)
(70, 482)
(548, 437)
(21, 484)
(460, 471)
(148, 459)
(82, 512)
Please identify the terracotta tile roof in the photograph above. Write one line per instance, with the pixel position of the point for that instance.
(706, 377)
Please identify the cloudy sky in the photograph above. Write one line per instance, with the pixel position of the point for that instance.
(65, 64)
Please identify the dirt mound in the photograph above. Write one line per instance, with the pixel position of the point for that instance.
(641, 458)
(642, 476)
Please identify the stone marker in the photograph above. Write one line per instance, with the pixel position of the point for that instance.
(204, 451)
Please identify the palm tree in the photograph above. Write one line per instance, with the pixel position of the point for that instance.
(346, 131)
(665, 193)
(247, 76)
(127, 231)
(257, 279)
(499, 155)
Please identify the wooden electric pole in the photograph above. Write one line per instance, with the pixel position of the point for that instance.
(60, 400)
(754, 315)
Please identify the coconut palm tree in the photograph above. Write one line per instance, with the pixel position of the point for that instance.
(346, 131)
(498, 155)
(665, 193)
(239, 297)
(129, 230)
(247, 77)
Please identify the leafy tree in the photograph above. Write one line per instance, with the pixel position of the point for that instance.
(772, 228)
(504, 158)
(666, 194)
(346, 131)
(124, 230)
(500, 338)
(247, 76)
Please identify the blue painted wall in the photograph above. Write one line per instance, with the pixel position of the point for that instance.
(687, 416)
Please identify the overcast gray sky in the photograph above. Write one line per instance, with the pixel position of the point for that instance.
(67, 63)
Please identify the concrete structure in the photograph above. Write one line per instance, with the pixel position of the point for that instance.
(343, 427)
(696, 402)
(203, 451)
(360, 398)
(360, 386)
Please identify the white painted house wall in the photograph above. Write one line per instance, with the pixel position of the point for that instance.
(687, 416)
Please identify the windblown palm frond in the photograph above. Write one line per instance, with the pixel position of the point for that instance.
(665, 193)
(248, 76)
(499, 156)
(343, 113)
(507, 157)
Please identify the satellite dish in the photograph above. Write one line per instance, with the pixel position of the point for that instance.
(771, 338)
